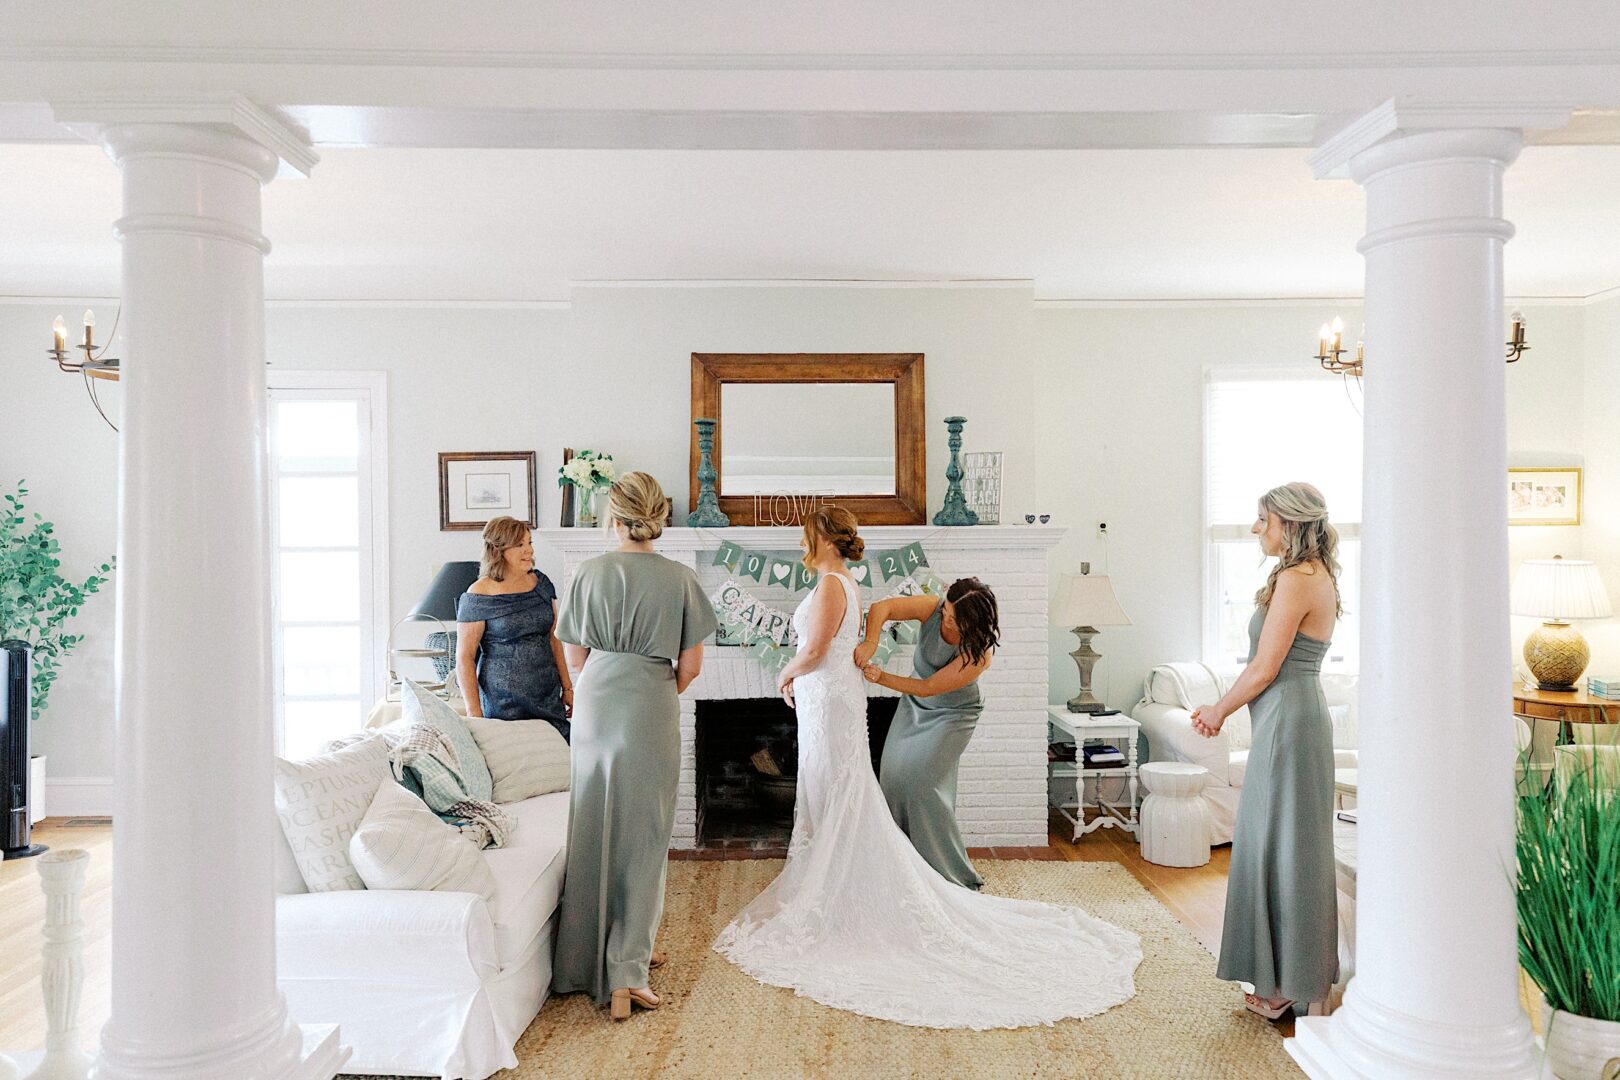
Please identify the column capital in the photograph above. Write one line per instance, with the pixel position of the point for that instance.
(228, 114)
(1393, 119)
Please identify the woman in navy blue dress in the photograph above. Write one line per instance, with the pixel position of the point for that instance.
(509, 662)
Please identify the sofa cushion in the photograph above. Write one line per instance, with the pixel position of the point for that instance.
(1237, 764)
(525, 757)
(321, 801)
(402, 844)
(422, 707)
(528, 874)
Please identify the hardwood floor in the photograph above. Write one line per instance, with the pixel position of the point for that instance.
(1196, 897)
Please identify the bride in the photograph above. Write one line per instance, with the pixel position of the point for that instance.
(857, 919)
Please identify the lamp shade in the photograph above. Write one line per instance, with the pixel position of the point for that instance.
(1087, 600)
(1560, 589)
(449, 583)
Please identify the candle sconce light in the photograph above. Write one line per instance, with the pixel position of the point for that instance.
(1331, 353)
(96, 363)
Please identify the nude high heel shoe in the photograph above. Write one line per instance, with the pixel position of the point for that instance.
(624, 999)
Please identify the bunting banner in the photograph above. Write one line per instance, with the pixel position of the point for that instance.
(767, 634)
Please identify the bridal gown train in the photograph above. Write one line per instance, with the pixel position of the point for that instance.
(859, 921)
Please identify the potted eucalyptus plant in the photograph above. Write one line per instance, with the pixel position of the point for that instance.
(36, 600)
(1568, 844)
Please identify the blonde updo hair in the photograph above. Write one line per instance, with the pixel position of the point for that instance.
(640, 504)
(836, 526)
(501, 535)
(1307, 535)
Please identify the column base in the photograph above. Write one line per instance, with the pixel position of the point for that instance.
(298, 1052)
(1363, 1041)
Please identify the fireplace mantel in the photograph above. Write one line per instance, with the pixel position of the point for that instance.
(1001, 797)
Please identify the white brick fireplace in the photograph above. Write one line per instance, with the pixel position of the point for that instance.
(1001, 799)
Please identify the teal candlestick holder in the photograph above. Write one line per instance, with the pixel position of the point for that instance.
(708, 514)
(955, 511)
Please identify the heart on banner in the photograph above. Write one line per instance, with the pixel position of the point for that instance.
(781, 573)
(861, 572)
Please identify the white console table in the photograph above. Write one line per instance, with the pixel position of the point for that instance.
(1081, 728)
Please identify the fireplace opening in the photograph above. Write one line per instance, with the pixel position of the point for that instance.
(747, 753)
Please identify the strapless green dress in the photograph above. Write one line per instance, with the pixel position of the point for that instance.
(1281, 930)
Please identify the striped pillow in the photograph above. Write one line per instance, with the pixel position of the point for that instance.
(525, 757)
(402, 844)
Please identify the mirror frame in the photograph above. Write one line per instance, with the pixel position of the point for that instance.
(904, 371)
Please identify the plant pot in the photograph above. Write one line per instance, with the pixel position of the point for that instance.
(36, 789)
(1579, 1047)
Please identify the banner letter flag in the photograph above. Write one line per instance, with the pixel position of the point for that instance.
(913, 556)
(890, 563)
(906, 632)
(861, 572)
(781, 573)
(728, 556)
(753, 565)
(885, 650)
(804, 578)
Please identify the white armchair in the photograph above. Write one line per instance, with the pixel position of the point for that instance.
(1172, 691)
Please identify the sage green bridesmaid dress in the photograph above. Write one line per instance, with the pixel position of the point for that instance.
(920, 758)
(636, 612)
(1281, 930)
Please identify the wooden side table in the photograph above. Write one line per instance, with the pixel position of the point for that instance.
(1564, 706)
(1081, 728)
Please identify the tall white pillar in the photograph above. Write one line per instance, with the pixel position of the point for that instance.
(1435, 992)
(194, 993)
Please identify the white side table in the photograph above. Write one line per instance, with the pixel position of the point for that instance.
(1081, 728)
(1175, 819)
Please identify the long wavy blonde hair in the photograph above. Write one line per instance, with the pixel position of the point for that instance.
(1307, 535)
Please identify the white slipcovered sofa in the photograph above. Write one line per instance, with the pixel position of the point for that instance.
(1172, 691)
(429, 983)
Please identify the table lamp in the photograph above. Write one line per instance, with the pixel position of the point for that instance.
(1083, 603)
(1557, 590)
(439, 602)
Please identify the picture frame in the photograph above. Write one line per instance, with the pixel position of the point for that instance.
(1544, 496)
(565, 517)
(981, 484)
(475, 488)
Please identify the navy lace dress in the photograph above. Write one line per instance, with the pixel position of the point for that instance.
(517, 673)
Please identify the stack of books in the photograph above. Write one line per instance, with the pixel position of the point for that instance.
(1103, 756)
(1603, 688)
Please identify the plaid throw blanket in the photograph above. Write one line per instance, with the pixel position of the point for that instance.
(424, 761)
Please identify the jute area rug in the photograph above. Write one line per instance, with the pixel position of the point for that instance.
(717, 1023)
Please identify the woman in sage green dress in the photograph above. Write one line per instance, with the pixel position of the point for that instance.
(936, 716)
(632, 625)
(1281, 928)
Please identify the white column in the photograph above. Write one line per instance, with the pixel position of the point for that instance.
(194, 992)
(1435, 993)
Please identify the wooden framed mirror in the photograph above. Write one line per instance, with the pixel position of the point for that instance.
(799, 429)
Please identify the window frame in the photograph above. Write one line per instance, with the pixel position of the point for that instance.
(369, 389)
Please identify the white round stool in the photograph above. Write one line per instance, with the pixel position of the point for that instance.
(1174, 823)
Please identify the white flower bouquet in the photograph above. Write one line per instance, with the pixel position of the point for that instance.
(588, 471)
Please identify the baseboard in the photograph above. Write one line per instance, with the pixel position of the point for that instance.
(79, 796)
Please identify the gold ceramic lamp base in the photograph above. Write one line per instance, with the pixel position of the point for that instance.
(1557, 655)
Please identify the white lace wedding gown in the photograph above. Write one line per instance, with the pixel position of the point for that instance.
(858, 921)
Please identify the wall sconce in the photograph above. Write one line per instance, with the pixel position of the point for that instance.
(95, 365)
(1330, 350)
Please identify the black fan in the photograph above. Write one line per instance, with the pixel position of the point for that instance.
(15, 705)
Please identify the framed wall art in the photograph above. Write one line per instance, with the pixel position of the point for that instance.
(1548, 496)
(475, 488)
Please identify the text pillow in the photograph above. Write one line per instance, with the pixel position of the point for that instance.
(423, 707)
(401, 844)
(525, 757)
(321, 801)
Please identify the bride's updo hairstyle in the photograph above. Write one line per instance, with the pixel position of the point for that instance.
(836, 526)
(640, 505)
(978, 621)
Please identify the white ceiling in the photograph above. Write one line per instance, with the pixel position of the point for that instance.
(517, 225)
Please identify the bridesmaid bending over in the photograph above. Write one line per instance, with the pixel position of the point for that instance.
(936, 716)
(1281, 930)
(633, 626)
(509, 663)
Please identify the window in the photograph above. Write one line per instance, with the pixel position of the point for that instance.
(328, 567)
(1261, 430)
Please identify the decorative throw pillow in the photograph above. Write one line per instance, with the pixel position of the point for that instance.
(525, 757)
(423, 707)
(401, 844)
(321, 801)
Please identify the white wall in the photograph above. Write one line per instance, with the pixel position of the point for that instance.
(1098, 411)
